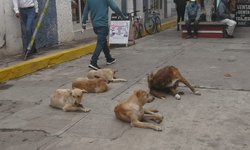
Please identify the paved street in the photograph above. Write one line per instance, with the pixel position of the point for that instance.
(219, 119)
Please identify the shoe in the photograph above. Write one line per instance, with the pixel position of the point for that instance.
(111, 61)
(94, 66)
(188, 36)
(230, 36)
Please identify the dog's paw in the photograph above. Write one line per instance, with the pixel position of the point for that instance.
(158, 128)
(197, 93)
(163, 97)
(160, 118)
(177, 96)
(86, 109)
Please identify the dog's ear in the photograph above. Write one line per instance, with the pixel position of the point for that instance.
(84, 91)
(70, 92)
(96, 76)
(138, 93)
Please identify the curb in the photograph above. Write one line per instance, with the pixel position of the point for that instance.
(50, 60)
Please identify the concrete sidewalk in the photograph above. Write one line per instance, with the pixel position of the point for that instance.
(216, 120)
(15, 67)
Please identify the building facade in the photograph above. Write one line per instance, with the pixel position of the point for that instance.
(62, 22)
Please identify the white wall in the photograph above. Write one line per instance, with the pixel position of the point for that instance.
(10, 27)
(64, 21)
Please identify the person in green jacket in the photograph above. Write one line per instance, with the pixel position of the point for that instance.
(99, 17)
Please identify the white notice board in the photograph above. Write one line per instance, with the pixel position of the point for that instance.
(119, 31)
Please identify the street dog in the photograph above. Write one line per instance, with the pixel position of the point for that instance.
(131, 110)
(90, 85)
(166, 80)
(68, 100)
(107, 73)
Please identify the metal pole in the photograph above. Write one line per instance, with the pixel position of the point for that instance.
(38, 25)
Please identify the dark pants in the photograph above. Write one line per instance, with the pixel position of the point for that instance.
(102, 44)
(180, 13)
(189, 26)
(27, 18)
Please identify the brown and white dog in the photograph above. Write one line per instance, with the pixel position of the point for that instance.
(106, 73)
(166, 80)
(90, 85)
(68, 100)
(131, 110)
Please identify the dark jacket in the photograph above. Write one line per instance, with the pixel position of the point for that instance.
(223, 11)
(180, 2)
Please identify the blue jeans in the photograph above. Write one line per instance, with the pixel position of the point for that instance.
(102, 44)
(27, 18)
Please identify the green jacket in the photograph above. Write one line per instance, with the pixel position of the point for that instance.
(99, 11)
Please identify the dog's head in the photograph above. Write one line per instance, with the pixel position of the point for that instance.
(143, 96)
(77, 95)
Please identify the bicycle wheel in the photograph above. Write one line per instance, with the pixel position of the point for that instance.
(158, 23)
(149, 25)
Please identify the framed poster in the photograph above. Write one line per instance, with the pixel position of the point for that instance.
(119, 30)
(242, 13)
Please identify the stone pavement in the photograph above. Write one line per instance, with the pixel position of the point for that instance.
(216, 120)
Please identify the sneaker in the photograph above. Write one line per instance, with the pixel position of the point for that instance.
(94, 66)
(111, 61)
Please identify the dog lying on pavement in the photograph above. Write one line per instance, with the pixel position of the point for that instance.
(90, 85)
(131, 110)
(107, 73)
(68, 100)
(167, 80)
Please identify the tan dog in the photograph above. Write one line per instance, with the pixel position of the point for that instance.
(68, 100)
(107, 73)
(167, 80)
(131, 110)
(90, 85)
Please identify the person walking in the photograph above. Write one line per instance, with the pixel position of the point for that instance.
(99, 17)
(27, 11)
(192, 15)
(223, 15)
(180, 6)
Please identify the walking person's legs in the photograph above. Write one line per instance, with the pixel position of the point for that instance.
(106, 50)
(102, 44)
(178, 17)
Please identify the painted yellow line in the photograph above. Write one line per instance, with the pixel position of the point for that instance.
(49, 60)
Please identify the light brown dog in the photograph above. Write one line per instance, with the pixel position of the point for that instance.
(107, 73)
(68, 100)
(167, 80)
(90, 85)
(131, 110)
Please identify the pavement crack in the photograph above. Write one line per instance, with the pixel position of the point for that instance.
(22, 130)
(119, 136)
(222, 89)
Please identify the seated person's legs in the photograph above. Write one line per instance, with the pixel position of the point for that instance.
(188, 25)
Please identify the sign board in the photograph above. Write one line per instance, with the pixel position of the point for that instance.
(242, 14)
(119, 30)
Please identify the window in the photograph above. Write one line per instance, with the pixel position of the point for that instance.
(77, 7)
